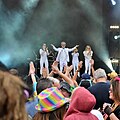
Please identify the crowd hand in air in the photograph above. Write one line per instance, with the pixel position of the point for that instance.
(92, 66)
(32, 71)
(68, 70)
(44, 72)
(76, 73)
(80, 64)
(55, 63)
(65, 77)
(31, 68)
(55, 68)
(92, 62)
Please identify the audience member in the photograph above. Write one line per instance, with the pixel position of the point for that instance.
(52, 105)
(113, 75)
(38, 86)
(81, 104)
(113, 112)
(65, 89)
(101, 89)
(12, 99)
(86, 81)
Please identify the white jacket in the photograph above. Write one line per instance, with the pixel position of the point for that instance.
(67, 52)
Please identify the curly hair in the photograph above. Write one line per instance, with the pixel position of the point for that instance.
(12, 99)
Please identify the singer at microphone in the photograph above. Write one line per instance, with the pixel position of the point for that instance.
(44, 58)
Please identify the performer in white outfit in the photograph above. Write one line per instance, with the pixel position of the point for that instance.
(75, 60)
(63, 54)
(88, 53)
(44, 58)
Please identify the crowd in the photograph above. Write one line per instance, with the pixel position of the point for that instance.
(58, 94)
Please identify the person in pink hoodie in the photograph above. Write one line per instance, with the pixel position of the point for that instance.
(82, 102)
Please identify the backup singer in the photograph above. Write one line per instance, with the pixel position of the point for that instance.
(75, 60)
(44, 58)
(88, 53)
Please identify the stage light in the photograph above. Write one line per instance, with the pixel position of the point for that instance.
(116, 37)
(114, 27)
(114, 61)
(113, 2)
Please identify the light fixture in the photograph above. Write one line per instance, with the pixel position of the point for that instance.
(114, 61)
(116, 37)
(114, 27)
(113, 2)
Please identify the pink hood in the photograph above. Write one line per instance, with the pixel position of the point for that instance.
(82, 102)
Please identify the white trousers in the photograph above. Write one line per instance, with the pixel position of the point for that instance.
(62, 65)
(87, 66)
(42, 62)
(75, 67)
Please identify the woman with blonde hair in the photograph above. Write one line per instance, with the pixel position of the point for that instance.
(88, 53)
(12, 97)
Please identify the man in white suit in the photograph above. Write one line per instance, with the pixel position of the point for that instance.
(63, 54)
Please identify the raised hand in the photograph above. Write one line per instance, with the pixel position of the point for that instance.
(55, 63)
(92, 62)
(31, 68)
(69, 68)
(77, 46)
(80, 65)
(52, 45)
(44, 72)
(55, 67)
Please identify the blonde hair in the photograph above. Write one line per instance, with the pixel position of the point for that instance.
(87, 47)
(12, 99)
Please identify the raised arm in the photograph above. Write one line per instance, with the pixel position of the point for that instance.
(65, 77)
(32, 71)
(56, 49)
(92, 66)
(71, 49)
(32, 74)
(78, 70)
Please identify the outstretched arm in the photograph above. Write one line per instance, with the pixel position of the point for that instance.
(56, 49)
(71, 49)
